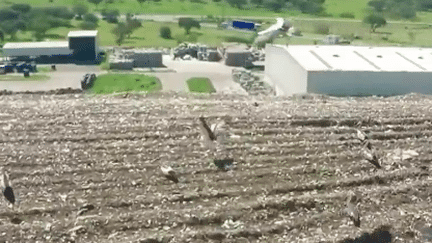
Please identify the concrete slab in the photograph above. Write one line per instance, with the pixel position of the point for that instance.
(217, 72)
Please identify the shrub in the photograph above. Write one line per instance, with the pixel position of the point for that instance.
(165, 32)
(347, 15)
(23, 8)
(88, 25)
(59, 12)
(322, 29)
(8, 14)
(55, 22)
(111, 16)
(197, 1)
(297, 32)
(80, 10)
(89, 17)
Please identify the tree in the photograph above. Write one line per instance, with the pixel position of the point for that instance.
(1, 35)
(59, 12)
(89, 17)
(87, 25)
(378, 5)
(257, 2)
(274, 5)
(237, 3)
(424, 5)
(165, 32)
(110, 15)
(22, 8)
(39, 26)
(80, 10)
(95, 2)
(131, 26)
(375, 21)
(188, 24)
(141, 2)
(120, 32)
(8, 14)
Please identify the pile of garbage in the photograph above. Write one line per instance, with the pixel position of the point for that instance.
(187, 51)
(251, 82)
(257, 55)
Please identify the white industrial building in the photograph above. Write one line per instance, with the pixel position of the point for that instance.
(16, 49)
(81, 45)
(349, 70)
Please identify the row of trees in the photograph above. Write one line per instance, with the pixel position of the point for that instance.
(405, 9)
(22, 17)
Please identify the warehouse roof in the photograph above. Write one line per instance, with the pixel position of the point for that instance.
(362, 58)
(83, 33)
(37, 48)
(45, 44)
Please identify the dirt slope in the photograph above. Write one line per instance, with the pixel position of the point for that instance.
(296, 161)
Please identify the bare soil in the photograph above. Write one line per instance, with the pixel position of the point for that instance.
(86, 168)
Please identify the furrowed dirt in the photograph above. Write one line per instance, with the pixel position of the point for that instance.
(86, 168)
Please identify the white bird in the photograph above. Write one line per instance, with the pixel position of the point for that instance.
(6, 186)
(361, 135)
(217, 138)
(169, 173)
(352, 211)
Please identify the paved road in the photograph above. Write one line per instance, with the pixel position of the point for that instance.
(70, 75)
(66, 76)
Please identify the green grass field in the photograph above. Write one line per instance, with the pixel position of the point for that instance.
(110, 83)
(200, 85)
(336, 7)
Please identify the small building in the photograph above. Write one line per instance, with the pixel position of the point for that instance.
(349, 70)
(147, 58)
(84, 44)
(237, 57)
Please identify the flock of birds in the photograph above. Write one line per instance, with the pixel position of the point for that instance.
(216, 137)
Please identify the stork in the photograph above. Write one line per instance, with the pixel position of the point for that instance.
(216, 137)
(352, 211)
(169, 173)
(372, 157)
(6, 186)
(362, 136)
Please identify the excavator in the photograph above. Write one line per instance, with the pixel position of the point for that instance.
(268, 35)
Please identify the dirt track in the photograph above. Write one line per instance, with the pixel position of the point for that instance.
(296, 161)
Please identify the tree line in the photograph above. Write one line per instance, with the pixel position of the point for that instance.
(395, 9)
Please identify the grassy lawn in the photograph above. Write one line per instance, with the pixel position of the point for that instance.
(148, 35)
(150, 7)
(33, 77)
(200, 85)
(336, 7)
(110, 83)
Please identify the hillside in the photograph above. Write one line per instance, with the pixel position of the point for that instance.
(296, 160)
